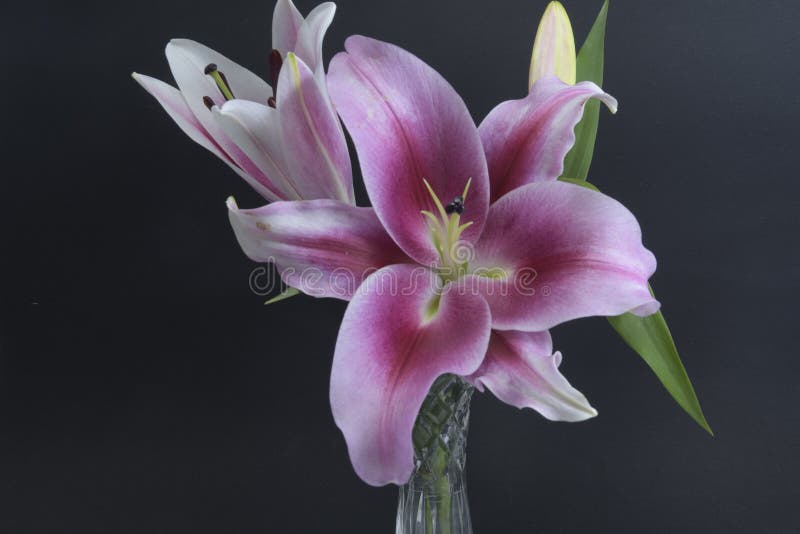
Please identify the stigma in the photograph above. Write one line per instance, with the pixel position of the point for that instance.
(456, 206)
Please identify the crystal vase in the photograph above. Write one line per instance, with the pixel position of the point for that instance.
(434, 501)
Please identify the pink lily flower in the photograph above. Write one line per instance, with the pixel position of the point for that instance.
(471, 252)
(285, 140)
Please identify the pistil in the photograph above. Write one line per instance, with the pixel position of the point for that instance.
(446, 230)
(220, 80)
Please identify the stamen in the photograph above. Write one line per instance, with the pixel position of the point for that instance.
(220, 80)
(271, 102)
(436, 200)
(466, 190)
(437, 231)
(431, 218)
(208, 102)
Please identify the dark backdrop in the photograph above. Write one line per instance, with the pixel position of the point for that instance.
(146, 389)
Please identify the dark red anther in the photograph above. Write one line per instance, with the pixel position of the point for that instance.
(208, 102)
(211, 67)
(271, 102)
(275, 64)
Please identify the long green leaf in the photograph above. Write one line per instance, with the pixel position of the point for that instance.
(589, 68)
(289, 292)
(650, 337)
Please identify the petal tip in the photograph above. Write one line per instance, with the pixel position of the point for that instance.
(328, 6)
(354, 40)
(610, 102)
(171, 45)
(178, 42)
(648, 308)
(180, 45)
(587, 412)
(141, 79)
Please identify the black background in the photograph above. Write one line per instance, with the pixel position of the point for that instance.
(146, 389)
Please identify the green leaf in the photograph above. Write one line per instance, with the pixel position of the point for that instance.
(650, 338)
(589, 68)
(288, 293)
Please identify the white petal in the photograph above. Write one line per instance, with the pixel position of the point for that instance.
(312, 33)
(178, 109)
(286, 21)
(255, 129)
(174, 104)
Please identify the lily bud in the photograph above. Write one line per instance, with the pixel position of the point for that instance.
(554, 47)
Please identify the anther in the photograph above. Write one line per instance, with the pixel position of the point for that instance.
(275, 64)
(211, 67)
(271, 102)
(208, 102)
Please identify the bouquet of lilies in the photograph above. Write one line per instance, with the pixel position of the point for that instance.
(479, 239)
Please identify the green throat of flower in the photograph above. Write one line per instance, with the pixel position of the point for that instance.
(445, 230)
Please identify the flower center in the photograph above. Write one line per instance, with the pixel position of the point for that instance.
(275, 63)
(446, 230)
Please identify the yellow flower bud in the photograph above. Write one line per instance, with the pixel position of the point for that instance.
(554, 47)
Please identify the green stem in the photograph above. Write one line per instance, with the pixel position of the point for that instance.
(444, 500)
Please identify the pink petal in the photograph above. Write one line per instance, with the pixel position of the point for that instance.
(313, 139)
(408, 123)
(312, 33)
(526, 140)
(567, 252)
(286, 21)
(255, 129)
(324, 248)
(521, 370)
(389, 352)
